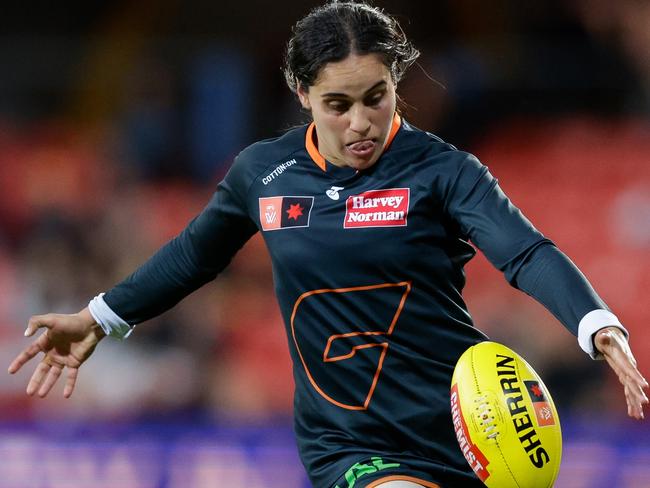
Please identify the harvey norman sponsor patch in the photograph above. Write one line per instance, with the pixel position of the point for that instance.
(285, 212)
(377, 208)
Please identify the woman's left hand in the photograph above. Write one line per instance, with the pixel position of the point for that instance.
(613, 345)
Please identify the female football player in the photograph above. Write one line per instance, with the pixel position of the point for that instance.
(367, 220)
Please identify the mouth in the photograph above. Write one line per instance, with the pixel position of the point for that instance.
(362, 149)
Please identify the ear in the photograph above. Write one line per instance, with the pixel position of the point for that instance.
(303, 96)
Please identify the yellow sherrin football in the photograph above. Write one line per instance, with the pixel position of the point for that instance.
(505, 420)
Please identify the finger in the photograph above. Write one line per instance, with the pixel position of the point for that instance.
(623, 363)
(38, 321)
(630, 378)
(619, 356)
(37, 377)
(636, 399)
(25, 356)
(42, 344)
(632, 381)
(50, 380)
(635, 393)
(631, 375)
(70, 382)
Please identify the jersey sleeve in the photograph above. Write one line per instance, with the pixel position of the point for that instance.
(196, 256)
(513, 245)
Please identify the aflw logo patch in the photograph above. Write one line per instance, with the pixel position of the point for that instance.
(285, 212)
(377, 208)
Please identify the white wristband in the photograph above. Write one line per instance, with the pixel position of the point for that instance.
(592, 323)
(111, 323)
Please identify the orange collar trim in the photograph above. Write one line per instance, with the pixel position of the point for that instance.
(318, 157)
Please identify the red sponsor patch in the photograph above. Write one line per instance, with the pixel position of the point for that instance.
(377, 208)
(472, 453)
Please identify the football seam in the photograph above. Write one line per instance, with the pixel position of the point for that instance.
(507, 465)
(477, 389)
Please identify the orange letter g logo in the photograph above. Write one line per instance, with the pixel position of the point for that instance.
(343, 359)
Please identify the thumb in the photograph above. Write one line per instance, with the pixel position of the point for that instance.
(38, 321)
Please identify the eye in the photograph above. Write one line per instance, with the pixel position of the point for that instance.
(338, 105)
(374, 99)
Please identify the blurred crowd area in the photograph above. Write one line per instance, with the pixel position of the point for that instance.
(117, 120)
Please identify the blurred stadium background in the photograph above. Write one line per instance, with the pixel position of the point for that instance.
(117, 119)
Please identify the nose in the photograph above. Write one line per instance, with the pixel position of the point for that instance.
(359, 120)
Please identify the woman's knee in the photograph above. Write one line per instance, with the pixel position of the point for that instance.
(399, 484)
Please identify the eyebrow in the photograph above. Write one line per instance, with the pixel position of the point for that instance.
(336, 94)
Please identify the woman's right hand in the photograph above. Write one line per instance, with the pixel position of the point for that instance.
(67, 342)
(613, 345)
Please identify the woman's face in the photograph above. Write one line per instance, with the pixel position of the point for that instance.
(352, 103)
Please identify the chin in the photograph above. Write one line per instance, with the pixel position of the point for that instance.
(361, 164)
(367, 164)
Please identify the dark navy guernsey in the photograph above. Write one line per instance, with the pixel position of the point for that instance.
(368, 270)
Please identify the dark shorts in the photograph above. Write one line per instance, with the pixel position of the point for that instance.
(375, 479)
(370, 472)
